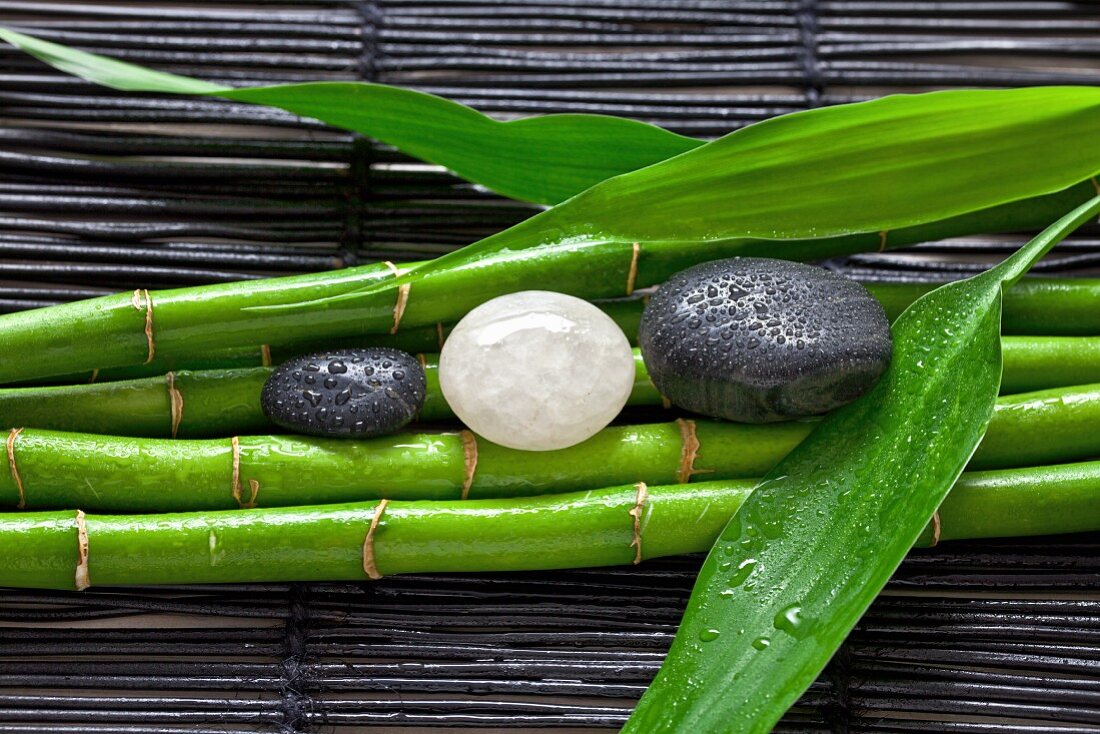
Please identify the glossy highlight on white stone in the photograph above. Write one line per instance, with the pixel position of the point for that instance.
(536, 370)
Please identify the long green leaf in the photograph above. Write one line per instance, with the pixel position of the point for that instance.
(543, 159)
(819, 537)
(881, 165)
(807, 185)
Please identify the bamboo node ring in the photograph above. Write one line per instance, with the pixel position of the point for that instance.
(12, 435)
(80, 578)
(688, 452)
(402, 296)
(175, 399)
(439, 334)
(265, 355)
(632, 275)
(253, 485)
(1095, 184)
(882, 240)
(94, 377)
(641, 494)
(937, 526)
(254, 493)
(469, 459)
(369, 566)
(142, 301)
(235, 444)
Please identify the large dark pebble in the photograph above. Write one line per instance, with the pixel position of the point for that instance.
(758, 340)
(352, 393)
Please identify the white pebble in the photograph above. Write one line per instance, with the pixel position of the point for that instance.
(536, 370)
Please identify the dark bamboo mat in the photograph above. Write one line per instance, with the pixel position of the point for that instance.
(102, 191)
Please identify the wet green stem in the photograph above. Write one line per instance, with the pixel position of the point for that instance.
(135, 328)
(224, 402)
(66, 549)
(119, 474)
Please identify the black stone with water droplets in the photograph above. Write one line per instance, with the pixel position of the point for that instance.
(759, 340)
(355, 393)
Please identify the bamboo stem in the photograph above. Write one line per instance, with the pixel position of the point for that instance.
(1037, 307)
(110, 332)
(222, 402)
(118, 474)
(627, 313)
(1038, 363)
(214, 403)
(353, 541)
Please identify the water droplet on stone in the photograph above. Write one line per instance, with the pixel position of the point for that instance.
(806, 340)
(288, 404)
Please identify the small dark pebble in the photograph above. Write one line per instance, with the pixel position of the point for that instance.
(387, 385)
(758, 340)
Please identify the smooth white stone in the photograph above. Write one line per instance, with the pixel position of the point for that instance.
(536, 370)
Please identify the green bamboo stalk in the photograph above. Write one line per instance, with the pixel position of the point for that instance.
(117, 474)
(1040, 307)
(216, 402)
(220, 402)
(352, 542)
(1042, 427)
(224, 402)
(414, 341)
(1037, 363)
(1036, 306)
(132, 328)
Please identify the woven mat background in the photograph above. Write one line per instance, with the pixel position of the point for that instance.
(101, 191)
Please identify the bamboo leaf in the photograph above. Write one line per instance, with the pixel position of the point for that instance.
(824, 530)
(105, 70)
(807, 185)
(543, 159)
(885, 165)
(874, 166)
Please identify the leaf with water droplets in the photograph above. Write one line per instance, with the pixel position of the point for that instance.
(830, 523)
